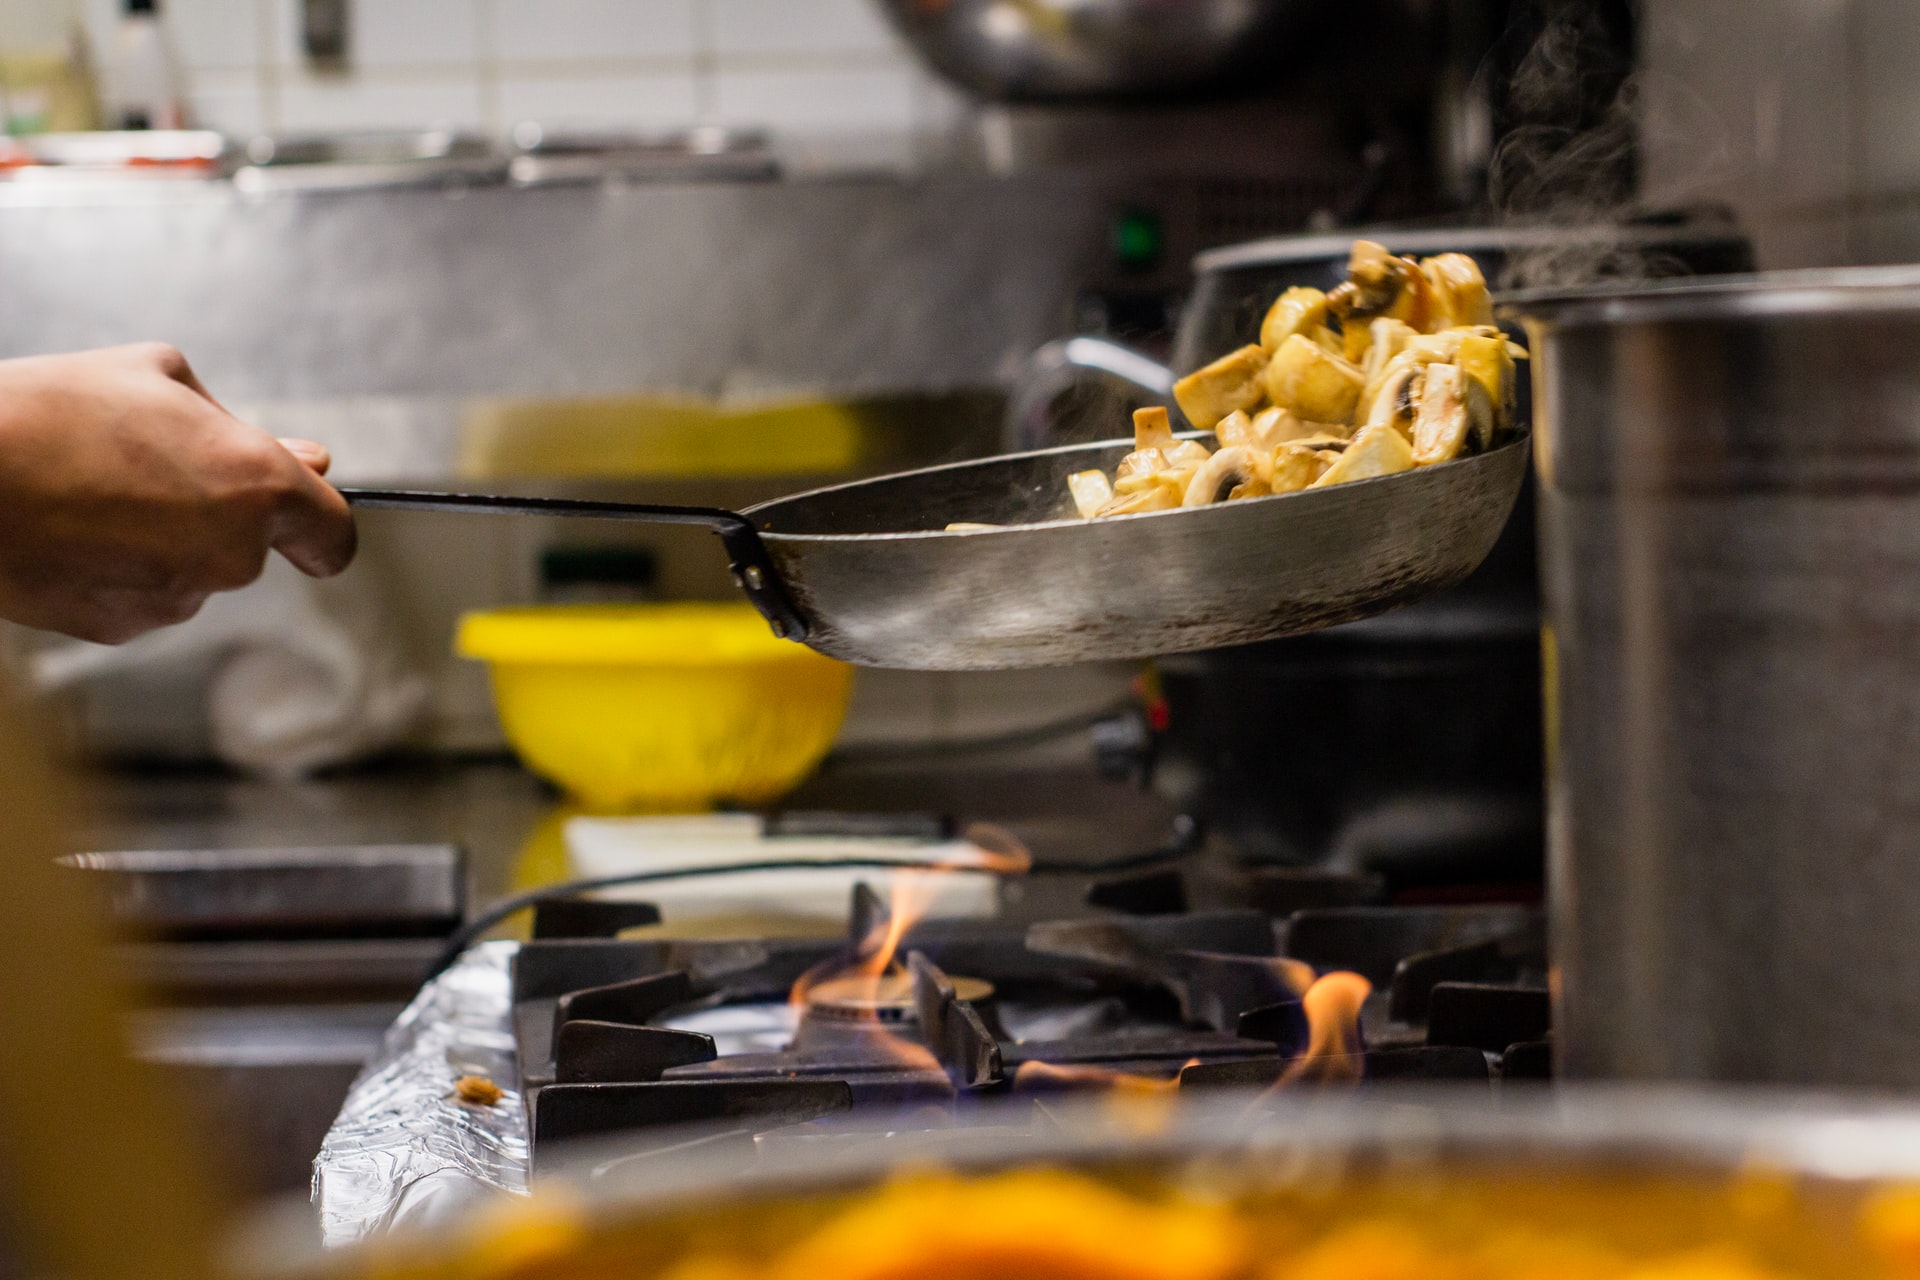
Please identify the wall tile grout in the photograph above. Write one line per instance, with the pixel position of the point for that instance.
(706, 96)
(487, 68)
(265, 50)
(764, 61)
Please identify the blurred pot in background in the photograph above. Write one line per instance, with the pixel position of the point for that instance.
(1011, 50)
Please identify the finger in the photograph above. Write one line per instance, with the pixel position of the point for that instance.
(316, 455)
(314, 527)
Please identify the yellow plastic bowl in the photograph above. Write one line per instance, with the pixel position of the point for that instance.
(658, 708)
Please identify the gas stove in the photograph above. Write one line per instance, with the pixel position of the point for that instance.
(904, 1021)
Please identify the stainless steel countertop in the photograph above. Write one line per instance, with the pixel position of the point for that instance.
(493, 808)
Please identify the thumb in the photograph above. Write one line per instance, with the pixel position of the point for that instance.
(316, 456)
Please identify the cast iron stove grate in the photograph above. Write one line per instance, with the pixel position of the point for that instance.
(636, 1036)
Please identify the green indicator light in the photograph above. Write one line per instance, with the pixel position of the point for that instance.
(1137, 238)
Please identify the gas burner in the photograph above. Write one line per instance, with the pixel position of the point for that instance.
(887, 1000)
(638, 1036)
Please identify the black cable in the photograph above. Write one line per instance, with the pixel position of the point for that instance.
(1186, 840)
(469, 933)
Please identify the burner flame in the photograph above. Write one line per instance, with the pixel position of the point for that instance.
(1075, 1075)
(874, 977)
(996, 849)
(911, 896)
(1335, 1053)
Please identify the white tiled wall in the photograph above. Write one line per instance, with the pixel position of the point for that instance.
(803, 68)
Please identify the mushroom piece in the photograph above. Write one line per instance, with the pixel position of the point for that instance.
(1379, 285)
(1376, 451)
(1274, 426)
(1294, 466)
(1234, 429)
(1459, 291)
(1152, 428)
(1311, 382)
(1223, 473)
(1300, 310)
(1137, 470)
(1488, 363)
(1152, 498)
(1185, 453)
(1090, 492)
(1232, 382)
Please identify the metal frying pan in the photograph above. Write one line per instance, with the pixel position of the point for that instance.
(867, 572)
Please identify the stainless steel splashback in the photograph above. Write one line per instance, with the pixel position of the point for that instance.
(838, 285)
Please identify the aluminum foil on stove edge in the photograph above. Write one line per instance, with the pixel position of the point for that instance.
(403, 1149)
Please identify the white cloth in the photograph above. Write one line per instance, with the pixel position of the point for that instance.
(304, 674)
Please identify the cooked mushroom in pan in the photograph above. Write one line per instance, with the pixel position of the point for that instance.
(1399, 367)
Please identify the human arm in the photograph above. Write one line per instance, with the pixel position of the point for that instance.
(128, 495)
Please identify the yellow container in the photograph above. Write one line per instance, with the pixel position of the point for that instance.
(658, 708)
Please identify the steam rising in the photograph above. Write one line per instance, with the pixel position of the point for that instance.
(1570, 157)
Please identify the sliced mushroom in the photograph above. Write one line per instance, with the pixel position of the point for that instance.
(1421, 349)
(1090, 492)
(1453, 408)
(1226, 470)
(1389, 339)
(1483, 419)
(1394, 402)
(1313, 383)
(1231, 382)
(1376, 451)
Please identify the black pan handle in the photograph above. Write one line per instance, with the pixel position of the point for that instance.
(752, 567)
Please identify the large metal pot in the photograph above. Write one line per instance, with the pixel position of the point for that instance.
(1729, 486)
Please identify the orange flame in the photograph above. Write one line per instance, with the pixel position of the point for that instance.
(874, 975)
(1041, 1075)
(1296, 974)
(911, 896)
(1334, 1053)
(996, 849)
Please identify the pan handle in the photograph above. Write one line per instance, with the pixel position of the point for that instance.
(747, 555)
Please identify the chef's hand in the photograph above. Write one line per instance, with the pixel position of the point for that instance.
(128, 495)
